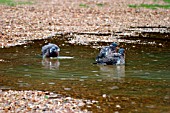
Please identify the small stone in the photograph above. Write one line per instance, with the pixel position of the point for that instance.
(67, 89)
(104, 95)
(118, 106)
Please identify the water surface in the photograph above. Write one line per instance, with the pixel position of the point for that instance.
(143, 84)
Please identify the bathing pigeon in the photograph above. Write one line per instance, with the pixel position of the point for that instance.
(50, 50)
(109, 55)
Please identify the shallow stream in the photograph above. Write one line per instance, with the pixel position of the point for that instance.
(142, 85)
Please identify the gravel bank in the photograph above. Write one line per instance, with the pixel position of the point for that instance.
(46, 17)
(38, 102)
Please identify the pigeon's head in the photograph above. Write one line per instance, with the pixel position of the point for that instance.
(114, 44)
(54, 51)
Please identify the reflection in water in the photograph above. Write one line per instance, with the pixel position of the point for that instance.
(51, 63)
(116, 72)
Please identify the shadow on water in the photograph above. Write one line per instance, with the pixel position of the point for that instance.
(141, 85)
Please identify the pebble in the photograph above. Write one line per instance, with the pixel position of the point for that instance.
(104, 95)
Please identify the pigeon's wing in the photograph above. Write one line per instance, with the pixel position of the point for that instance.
(103, 52)
(44, 49)
(101, 58)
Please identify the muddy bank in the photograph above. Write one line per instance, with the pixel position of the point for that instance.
(85, 38)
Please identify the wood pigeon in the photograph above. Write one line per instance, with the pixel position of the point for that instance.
(50, 50)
